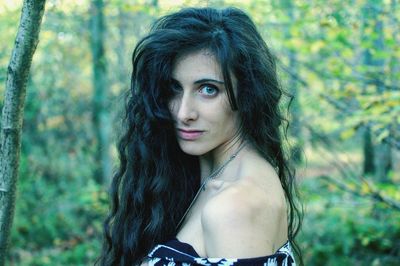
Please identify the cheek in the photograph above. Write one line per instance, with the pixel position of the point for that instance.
(231, 123)
(172, 106)
(226, 120)
(231, 120)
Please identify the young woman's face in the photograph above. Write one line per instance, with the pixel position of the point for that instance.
(200, 107)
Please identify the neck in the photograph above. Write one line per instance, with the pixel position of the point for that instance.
(213, 160)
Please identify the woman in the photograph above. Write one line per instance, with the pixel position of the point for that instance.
(202, 172)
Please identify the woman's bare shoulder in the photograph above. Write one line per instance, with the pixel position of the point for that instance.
(248, 218)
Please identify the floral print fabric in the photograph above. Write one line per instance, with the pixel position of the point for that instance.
(176, 253)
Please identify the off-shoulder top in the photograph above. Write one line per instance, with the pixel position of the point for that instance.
(177, 253)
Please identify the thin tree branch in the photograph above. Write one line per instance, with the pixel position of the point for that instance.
(390, 140)
(11, 121)
(372, 194)
(347, 173)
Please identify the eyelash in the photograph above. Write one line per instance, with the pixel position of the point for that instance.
(177, 89)
(203, 86)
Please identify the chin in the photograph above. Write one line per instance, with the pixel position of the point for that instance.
(192, 148)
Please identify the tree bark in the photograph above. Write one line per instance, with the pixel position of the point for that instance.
(295, 129)
(382, 152)
(12, 115)
(394, 70)
(121, 48)
(154, 3)
(101, 119)
(368, 153)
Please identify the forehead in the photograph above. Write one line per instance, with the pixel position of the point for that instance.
(200, 64)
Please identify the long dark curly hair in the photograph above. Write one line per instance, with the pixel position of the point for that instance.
(156, 181)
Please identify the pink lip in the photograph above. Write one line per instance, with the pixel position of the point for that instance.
(189, 134)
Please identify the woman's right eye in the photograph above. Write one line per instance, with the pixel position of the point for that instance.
(175, 88)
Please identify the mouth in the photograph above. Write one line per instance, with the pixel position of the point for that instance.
(189, 134)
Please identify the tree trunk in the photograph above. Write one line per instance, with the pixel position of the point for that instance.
(123, 72)
(12, 115)
(382, 152)
(154, 3)
(295, 129)
(101, 119)
(394, 70)
(368, 152)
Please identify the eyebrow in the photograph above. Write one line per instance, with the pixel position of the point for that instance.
(208, 80)
(202, 81)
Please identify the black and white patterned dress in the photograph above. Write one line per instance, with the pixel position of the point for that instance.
(176, 253)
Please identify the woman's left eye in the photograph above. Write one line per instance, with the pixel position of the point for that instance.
(209, 90)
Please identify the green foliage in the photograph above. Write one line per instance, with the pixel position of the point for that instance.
(340, 229)
(342, 57)
(57, 215)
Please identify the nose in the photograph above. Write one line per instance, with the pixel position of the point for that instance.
(186, 109)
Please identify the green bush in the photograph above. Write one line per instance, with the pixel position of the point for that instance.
(341, 229)
(58, 218)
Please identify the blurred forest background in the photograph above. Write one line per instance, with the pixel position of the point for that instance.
(339, 58)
